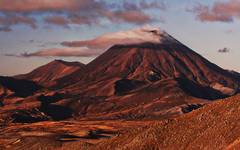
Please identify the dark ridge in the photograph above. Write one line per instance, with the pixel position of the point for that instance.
(191, 107)
(46, 100)
(21, 88)
(28, 116)
(125, 85)
(199, 91)
(57, 112)
(54, 111)
(48, 110)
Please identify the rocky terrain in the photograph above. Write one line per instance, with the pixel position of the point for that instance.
(130, 97)
(135, 81)
(214, 126)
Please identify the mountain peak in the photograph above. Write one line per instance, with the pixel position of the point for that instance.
(158, 58)
(142, 35)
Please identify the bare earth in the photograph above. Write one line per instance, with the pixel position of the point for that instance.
(215, 126)
(131, 97)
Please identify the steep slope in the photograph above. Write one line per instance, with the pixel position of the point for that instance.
(48, 74)
(215, 126)
(151, 62)
(12, 88)
(147, 80)
(144, 80)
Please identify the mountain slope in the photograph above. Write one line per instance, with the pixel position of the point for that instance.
(215, 126)
(151, 62)
(11, 87)
(147, 80)
(144, 80)
(48, 74)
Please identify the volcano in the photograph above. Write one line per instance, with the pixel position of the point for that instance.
(152, 77)
(150, 62)
(160, 77)
(146, 76)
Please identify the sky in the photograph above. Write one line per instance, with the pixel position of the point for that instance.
(35, 32)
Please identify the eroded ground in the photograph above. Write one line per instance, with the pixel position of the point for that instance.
(59, 135)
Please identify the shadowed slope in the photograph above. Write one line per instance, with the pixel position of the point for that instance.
(146, 79)
(18, 88)
(149, 62)
(135, 81)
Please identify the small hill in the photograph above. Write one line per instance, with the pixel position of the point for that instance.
(48, 74)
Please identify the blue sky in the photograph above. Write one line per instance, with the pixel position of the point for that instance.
(204, 37)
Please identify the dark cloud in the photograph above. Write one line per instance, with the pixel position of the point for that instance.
(10, 20)
(224, 50)
(5, 29)
(80, 12)
(57, 20)
(29, 6)
(130, 16)
(43, 43)
(31, 41)
(71, 19)
(154, 4)
(221, 11)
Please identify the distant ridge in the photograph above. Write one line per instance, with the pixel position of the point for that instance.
(47, 75)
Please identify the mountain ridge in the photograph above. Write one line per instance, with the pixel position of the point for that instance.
(137, 81)
(47, 75)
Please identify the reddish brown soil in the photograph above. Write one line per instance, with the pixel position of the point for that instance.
(215, 126)
(143, 81)
(62, 134)
(48, 74)
(140, 82)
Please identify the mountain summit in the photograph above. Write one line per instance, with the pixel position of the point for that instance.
(159, 76)
(134, 36)
(147, 74)
(149, 55)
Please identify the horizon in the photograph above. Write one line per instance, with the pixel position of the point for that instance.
(25, 31)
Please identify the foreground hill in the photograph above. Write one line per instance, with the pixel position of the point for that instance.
(215, 126)
(48, 74)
